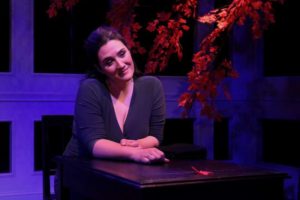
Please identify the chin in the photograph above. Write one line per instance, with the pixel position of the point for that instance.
(127, 77)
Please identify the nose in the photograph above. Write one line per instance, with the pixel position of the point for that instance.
(120, 63)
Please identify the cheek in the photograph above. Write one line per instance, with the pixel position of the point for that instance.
(128, 58)
(108, 70)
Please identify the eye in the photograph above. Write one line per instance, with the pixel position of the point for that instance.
(122, 53)
(108, 62)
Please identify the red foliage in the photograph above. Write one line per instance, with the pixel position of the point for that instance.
(207, 74)
(122, 17)
(205, 79)
(169, 29)
(59, 4)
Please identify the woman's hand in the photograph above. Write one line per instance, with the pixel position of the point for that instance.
(149, 155)
(104, 148)
(130, 143)
(143, 150)
(144, 143)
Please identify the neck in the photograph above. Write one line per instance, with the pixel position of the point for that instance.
(120, 89)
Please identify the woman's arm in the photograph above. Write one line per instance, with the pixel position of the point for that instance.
(158, 112)
(90, 130)
(108, 149)
(143, 143)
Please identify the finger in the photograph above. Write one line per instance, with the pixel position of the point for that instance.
(133, 143)
(146, 160)
(152, 157)
(158, 153)
(123, 142)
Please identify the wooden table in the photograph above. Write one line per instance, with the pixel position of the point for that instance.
(102, 179)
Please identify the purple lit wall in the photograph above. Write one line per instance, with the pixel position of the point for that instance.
(25, 96)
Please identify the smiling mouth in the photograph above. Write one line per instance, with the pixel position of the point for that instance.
(123, 71)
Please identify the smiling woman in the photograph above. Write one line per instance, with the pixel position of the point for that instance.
(116, 62)
(118, 114)
(117, 65)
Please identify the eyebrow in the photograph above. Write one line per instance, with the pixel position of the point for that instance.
(123, 49)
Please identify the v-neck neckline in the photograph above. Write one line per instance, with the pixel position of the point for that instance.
(128, 113)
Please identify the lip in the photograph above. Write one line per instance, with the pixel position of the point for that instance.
(123, 71)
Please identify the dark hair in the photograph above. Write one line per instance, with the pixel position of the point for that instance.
(94, 42)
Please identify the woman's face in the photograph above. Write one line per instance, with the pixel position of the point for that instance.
(115, 61)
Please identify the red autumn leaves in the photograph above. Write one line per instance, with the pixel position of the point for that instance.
(206, 75)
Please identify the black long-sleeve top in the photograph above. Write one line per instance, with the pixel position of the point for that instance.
(95, 116)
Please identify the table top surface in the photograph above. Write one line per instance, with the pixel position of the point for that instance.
(175, 171)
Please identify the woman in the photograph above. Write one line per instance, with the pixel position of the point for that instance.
(118, 115)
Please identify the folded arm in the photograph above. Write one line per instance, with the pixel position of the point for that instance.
(108, 149)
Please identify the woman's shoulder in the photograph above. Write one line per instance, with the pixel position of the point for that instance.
(91, 82)
(148, 85)
(93, 85)
(148, 80)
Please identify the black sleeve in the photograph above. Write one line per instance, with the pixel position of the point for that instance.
(157, 119)
(88, 115)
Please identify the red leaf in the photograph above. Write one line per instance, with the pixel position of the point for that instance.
(52, 12)
(256, 5)
(207, 19)
(163, 16)
(202, 172)
(185, 27)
